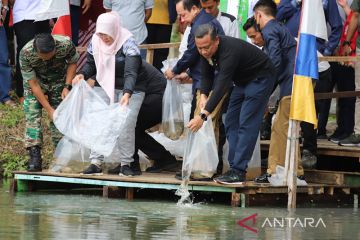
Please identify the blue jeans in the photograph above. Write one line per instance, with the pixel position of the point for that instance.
(243, 119)
(5, 70)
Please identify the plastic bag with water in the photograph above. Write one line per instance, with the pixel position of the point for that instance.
(172, 106)
(201, 155)
(85, 118)
(277, 179)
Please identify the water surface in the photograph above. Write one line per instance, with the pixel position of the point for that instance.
(40, 215)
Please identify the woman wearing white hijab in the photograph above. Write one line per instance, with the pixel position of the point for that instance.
(114, 58)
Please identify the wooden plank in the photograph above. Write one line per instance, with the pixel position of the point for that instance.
(344, 94)
(143, 46)
(325, 147)
(235, 199)
(217, 188)
(324, 177)
(129, 195)
(161, 178)
(160, 45)
(339, 58)
(150, 56)
(330, 191)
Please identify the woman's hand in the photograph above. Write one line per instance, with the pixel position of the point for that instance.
(124, 101)
(77, 79)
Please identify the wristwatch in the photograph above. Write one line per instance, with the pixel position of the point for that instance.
(203, 116)
(68, 86)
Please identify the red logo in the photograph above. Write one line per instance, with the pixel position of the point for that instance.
(253, 218)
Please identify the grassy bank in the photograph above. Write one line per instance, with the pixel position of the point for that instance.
(13, 155)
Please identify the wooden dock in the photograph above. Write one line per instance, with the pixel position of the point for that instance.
(326, 148)
(239, 195)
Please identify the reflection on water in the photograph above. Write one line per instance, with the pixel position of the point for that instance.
(75, 216)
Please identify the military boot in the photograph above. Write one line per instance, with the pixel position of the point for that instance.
(35, 161)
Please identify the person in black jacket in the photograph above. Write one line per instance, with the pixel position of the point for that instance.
(150, 114)
(250, 71)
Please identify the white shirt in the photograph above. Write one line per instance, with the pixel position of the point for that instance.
(184, 41)
(229, 24)
(132, 15)
(25, 10)
(75, 2)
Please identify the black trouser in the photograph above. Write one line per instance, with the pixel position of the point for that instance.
(26, 31)
(150, 114)
(159, 33)
(323, 85)
(344, 78)
(75, 18)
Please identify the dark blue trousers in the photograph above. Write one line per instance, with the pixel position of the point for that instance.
(5, 70)
(243, 119)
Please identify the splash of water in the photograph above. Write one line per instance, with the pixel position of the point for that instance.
(183, 190)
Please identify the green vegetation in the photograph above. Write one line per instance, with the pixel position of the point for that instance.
(13, 155)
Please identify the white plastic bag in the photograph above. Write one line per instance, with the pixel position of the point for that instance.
(172, 107)
(87, 119)
(254, 165)
(201, 155)
(277, 179)
(70, 157)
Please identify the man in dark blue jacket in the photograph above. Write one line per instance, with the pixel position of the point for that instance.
(280, 46)
(190, 12)
(251, 74)
(289, 12)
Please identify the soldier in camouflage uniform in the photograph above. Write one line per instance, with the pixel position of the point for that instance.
(48, 65)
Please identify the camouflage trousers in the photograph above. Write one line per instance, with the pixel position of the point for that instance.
(33, 112)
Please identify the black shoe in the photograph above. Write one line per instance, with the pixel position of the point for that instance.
(35, 161)
(308, 160)
(231, 177)
(301, 177)
(263, 178)
(115, 170)
(163, 166)
(135, 167)
(352, 141)
(92, 169)
(126, 171)
(322, 136)
(336, 139)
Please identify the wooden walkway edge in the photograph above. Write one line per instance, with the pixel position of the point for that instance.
(240, 194)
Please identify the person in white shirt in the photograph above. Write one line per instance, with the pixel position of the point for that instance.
(24, 13)
(228, 22)
(133, 16)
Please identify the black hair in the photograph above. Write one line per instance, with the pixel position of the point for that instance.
(267, 6)
(188, 4)
(44, 43)
(250, 22)
(205, 29)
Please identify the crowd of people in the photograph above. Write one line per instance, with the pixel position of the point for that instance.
(232, 79)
